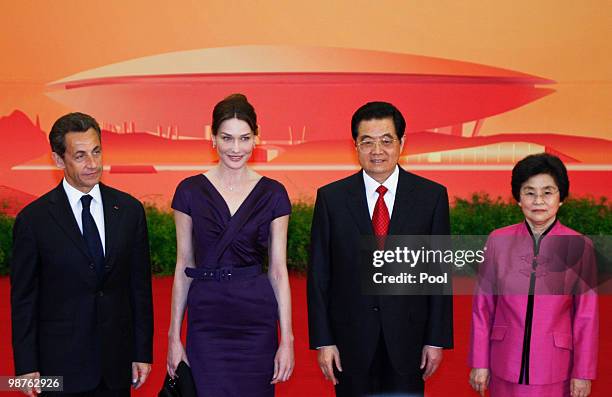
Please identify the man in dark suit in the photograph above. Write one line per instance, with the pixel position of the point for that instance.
(370, 344)
(81, 276)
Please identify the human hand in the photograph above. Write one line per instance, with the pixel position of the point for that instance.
(479, 379)
(140, 372)
(431, 357)
(327, 357)
(176, 354)
(283, 363)
(580, 387)
(31, 391)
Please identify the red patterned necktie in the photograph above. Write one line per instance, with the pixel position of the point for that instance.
(380, 217)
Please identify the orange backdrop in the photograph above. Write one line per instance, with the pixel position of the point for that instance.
(566, 42)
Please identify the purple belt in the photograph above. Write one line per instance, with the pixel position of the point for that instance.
(224, 273)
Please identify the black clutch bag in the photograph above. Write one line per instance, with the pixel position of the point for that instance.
(181, 386)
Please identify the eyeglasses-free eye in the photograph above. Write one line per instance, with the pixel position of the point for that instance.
(367, 145)
(546, 195)
(227, 140)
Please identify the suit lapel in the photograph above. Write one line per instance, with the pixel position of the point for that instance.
(62, 214)
(112, 216)
(403, 203)
(358, 204)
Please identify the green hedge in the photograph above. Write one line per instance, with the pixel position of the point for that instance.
(478, 215)
(481, 214)
(162, 240)
(298, 236)
(6, 240)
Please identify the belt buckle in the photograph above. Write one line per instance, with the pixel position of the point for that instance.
(221, 274)
(208, 275)
(225, 274)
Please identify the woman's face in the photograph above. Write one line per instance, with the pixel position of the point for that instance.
(540, 199)
(235, 142)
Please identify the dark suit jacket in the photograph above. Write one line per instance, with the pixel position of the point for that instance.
(338, 313)
(65, 322)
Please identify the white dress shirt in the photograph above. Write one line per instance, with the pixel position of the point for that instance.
(372, 195)
(96, 209)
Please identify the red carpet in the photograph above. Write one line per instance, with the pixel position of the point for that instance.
(307, 381)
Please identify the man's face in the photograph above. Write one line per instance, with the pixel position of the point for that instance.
(378, 147)
(82, 161)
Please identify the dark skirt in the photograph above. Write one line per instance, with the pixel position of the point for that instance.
(232, 336)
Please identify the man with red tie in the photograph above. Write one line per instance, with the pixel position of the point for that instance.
(367, 344)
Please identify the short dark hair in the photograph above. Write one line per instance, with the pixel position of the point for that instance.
(71, 122)
(234, 106)
(378, 110)
(541, 163)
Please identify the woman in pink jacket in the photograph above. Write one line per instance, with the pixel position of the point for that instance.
(535, 315)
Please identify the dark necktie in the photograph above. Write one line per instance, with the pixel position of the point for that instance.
(380, 217)
(92, 236)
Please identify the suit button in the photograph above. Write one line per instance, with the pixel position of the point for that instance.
(101, 293)
(376, 308)
(91, 266)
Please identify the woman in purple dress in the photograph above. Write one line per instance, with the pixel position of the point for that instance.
(227, 221)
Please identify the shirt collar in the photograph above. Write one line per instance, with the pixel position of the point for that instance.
(74, 195)
(390, 183)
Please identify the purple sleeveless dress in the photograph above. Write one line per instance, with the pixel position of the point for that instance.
(232, 321)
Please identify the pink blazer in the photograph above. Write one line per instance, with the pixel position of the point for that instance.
(565, 320)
